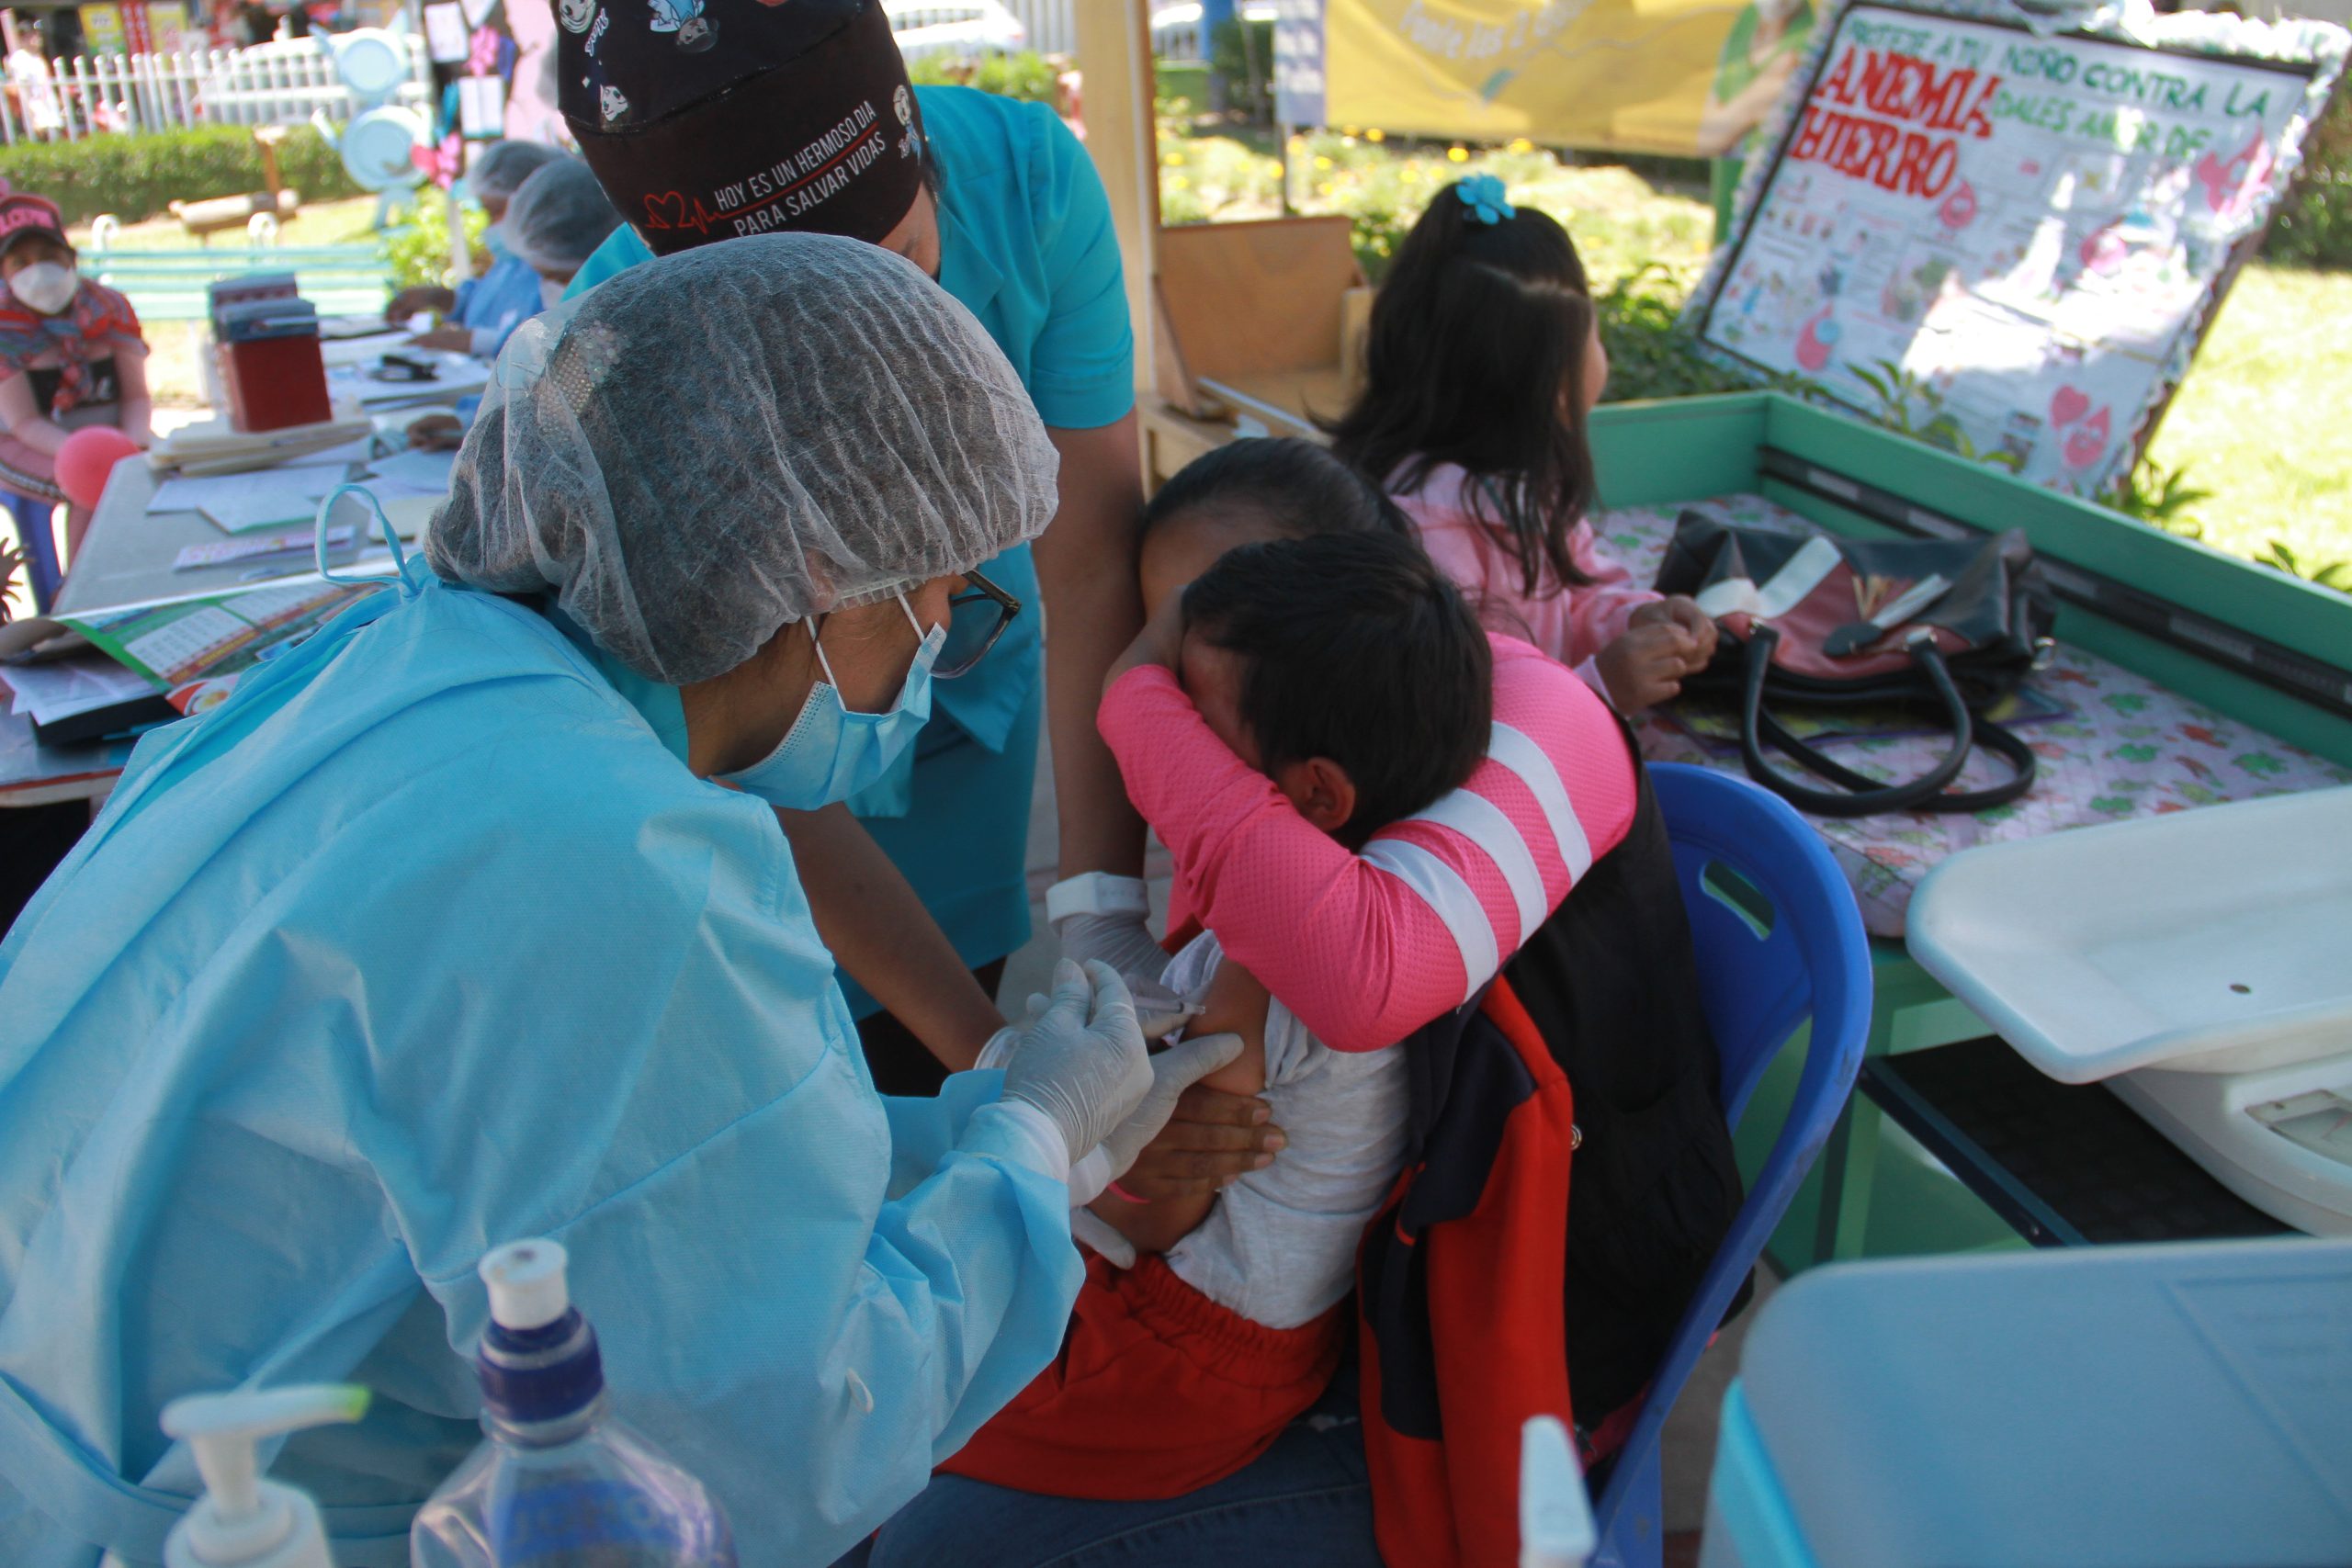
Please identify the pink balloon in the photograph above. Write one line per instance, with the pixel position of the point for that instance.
(85, 461)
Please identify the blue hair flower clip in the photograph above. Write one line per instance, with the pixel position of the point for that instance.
(1484, 196)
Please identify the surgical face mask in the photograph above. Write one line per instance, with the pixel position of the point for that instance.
(45, 286)
(830, 753)
(550, 293)
(494, 240)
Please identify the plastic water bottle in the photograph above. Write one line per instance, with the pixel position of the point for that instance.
(558, 1482)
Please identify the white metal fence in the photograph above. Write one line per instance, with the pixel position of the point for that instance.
(1053, 29)
(273, 83)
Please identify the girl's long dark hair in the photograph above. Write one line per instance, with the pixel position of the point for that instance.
(1477, 347)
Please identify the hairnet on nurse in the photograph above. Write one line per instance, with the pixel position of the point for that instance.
(503, 166)
(558, 217)
(741, 435)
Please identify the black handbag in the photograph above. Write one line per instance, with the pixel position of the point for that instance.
(1950, 626)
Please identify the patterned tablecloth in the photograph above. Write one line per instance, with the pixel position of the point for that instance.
(2112, 745)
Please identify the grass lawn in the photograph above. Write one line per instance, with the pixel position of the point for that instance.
(318, 223)
(2257, 422)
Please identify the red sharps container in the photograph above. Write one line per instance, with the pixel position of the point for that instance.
(267, 343)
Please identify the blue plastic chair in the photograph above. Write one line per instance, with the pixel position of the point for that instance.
(1779, 938)
(34, 520)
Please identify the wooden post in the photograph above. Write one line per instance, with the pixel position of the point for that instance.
(1115, 57)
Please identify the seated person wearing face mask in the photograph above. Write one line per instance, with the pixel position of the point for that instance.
(71, 354)
(480, 313)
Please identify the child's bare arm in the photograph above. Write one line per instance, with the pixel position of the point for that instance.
(1237, 1005)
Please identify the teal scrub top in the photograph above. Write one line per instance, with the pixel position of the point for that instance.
(423, 941)
(1026, 245)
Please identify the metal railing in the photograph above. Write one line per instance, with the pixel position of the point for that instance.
(273, 83)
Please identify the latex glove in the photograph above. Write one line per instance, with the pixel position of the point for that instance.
(1125, 942)
(1173, 1071)
(1081, 1062)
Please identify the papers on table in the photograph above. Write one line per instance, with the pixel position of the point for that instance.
(459, 374)
(210, 447)
(340, 457)
(410, 473)
(268, 508)
(258, 547)
(364, 348)
(343, 329)
(237, 502)
(46, 692)
(181, 641)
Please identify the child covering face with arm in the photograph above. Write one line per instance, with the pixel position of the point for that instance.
(1353, 678)
(1434, 903)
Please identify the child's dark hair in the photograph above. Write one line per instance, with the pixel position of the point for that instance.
(1357, 649)
(1296, 488)
(1477, 336)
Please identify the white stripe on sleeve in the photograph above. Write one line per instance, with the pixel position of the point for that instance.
(1514, 751)
(1441, 888)
(1486, 825)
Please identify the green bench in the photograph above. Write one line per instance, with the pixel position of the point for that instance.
(169, 285)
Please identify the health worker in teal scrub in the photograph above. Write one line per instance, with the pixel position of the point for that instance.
(712, 120)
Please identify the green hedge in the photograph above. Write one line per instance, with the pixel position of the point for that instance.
(1027, 75)
(138, 176)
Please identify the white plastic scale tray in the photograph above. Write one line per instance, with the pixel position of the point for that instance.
(2204, 953)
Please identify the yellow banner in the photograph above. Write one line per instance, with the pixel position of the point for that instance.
(1673, 76)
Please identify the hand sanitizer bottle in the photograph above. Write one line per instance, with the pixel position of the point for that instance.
(244, 1520)
(558, 1482)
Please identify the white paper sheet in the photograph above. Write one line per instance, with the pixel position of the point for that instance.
(340, 457)
(411, 473)
(51, 692)
(364, 350)
(459, 374)
(303, 482)
(244, 514)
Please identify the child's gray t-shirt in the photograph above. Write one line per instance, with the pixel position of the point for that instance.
(1279, 1245)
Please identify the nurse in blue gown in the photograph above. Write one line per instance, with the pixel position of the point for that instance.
(442, 932)
(482, 312)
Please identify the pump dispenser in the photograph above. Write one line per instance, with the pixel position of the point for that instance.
(559, 1482)
(244, 1520)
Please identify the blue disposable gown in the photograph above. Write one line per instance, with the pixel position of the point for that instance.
(500, 300)
(425, 940)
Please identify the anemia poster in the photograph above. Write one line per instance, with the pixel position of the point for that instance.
(2034, 226)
